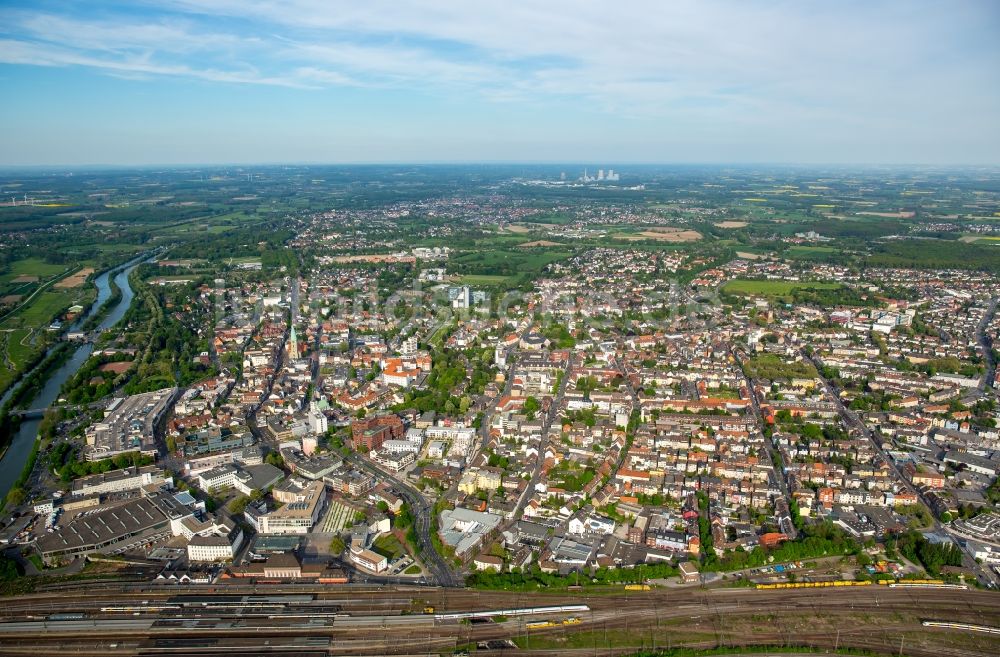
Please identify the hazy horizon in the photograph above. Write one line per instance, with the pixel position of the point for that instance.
(594, 164)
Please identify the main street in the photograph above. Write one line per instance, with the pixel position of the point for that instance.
(484, 426)
(986, 344)
(550, 415)
(783, 518)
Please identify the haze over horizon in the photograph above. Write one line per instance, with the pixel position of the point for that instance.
(213, 81)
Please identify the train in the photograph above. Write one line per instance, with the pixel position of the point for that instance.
(519, 611)
(968, 627)
(902, 584)
(538, 625)
(813, 585)
(73, 616)
(138, 609)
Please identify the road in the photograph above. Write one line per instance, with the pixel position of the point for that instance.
(986, 344)
(984, 574)
(783, 518)
(279, 360)
(536, 476)
(422, 510)
(484, 427)
(634, 394)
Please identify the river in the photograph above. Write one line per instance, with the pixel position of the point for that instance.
(20, 447)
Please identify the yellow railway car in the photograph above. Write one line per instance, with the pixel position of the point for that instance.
(813, 585)
(538, 625)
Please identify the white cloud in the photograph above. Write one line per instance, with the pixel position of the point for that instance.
(694, 64)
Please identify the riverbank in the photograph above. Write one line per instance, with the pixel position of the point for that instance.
(22, 436)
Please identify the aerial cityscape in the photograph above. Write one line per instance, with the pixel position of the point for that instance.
(490, 387)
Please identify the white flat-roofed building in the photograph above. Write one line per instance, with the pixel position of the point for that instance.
(395, 461)
(223, 476)
(449, 433)
(118, 481)
(296, 517)
(219, 546)
(401, 446)
(369, 560)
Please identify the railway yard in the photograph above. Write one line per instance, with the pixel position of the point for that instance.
(301, 620)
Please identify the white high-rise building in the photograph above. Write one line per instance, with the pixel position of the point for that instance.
(317, 422)
(464, 298)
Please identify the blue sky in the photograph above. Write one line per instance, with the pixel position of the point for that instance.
(220, 81)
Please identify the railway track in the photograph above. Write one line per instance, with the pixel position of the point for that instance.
(653, 617)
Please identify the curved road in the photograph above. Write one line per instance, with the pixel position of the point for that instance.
(422, 510)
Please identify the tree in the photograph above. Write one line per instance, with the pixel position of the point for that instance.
(16, 496)
(531, 407)
(275, 459)
(238, 505)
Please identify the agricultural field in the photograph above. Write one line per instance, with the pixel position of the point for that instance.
(551, 218)
(516, 265)
(76, 279)
(45, 307)
(981, 239)
(16, 347)
(660, 233)
(774, 288)
(528, 245)
(484, 280)
(811, 252)
(31, 267)
(213, 225)
(19, 346)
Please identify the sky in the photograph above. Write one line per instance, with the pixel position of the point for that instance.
(608, 82)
